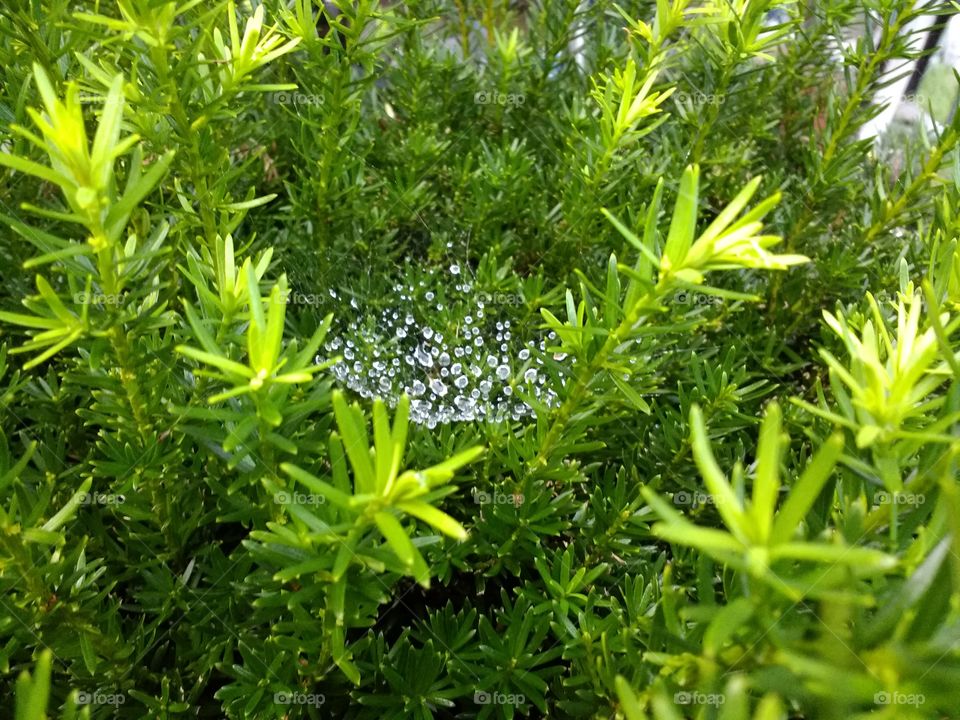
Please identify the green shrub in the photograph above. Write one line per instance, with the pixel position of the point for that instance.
(411, 362)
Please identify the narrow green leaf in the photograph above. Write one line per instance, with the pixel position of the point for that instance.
(396, 537)
(725, 500)
(632, 395)
(438, 519)
(344, 555)
(134, 194)
(338, 464)
(859, 557)
(108, 131)
(42, 537)
(57, 256)
(32, 321)
(69, 510)
(249, 204)
(88, 653)
(240, 432)
(725, 624)
(257, 326)
(273, 336)
(54, 302)
(306, 355)
(29, 167)
(316, 485)
(684, 222)
(805, 491)
(399, 433)
(217, 361)
(730, 212)
(201, 332)
(629, 704)
(356, 443)
(383, 444)
(681, 531)
(442, 472)
(766, 488)
(611, 309)
(14, 472)
(32, 693)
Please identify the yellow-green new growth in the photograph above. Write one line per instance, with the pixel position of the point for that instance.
(758, 536)
(378, 496)
(257, 48)
(891, 378)
(84, 172)
(727, 243)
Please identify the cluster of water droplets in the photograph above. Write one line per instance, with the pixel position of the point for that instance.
(477, 370)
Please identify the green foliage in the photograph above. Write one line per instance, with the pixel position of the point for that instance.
(718, 481)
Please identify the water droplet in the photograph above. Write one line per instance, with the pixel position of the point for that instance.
(423, 357)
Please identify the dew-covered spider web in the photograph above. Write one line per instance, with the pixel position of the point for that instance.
(452, 349)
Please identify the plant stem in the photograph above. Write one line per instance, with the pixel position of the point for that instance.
(645, 304)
